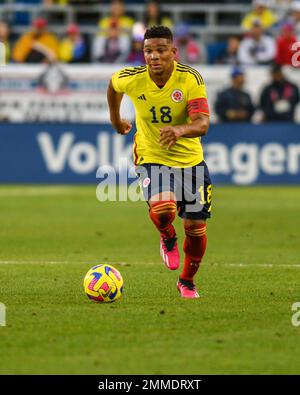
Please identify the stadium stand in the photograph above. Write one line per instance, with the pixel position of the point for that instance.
(212, 22)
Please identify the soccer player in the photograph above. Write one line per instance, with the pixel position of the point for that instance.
(171, 116)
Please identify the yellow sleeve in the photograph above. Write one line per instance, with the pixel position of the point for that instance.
(196, 98)
(22, 48)
(196, 86)
(120, 80)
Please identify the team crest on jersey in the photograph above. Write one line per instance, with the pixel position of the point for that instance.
(177, 96)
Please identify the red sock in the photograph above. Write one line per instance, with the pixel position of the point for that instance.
(194, 248)
(162, 215)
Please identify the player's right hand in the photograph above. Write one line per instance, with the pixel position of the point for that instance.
(123, 126)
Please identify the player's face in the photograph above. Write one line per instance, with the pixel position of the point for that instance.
(159, 55)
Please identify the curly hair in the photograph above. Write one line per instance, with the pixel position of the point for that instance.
(158, 32)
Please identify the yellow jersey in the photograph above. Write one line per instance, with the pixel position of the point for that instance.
(24, 44)
(125, 23)
(267, 19)
(157, 107)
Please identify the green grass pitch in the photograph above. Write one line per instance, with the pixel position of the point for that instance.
(249, 279)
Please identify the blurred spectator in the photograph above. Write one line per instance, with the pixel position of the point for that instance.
(112, 48)
(154, 16)
(294, 17)
(225, 52)
(257, 48)
(282, 2)
(117, 18)
(232, 49)
(189, 51)
(136, 55)
(4, 38)
(284, 43)
(72, 48)
(234, 104)
(112, 44)
(261, 12)
(36, 46)
(279, 99)
(55, 2)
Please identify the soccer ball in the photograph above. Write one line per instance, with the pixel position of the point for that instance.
(103, 283)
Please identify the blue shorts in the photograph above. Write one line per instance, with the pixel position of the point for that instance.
(191, 186)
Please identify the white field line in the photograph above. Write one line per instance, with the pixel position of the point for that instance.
(36, 191)
(96, 262)
(257, 265)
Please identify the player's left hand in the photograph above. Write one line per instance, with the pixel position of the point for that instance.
(169, 136)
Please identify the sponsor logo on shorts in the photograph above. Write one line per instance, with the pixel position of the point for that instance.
(146, 182)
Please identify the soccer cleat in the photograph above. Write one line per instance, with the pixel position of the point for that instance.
(187, 289)
(169, 252)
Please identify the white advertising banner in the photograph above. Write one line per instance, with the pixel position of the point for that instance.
(60, 93)
(77, 93)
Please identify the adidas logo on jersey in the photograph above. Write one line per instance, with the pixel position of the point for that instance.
(142, 97)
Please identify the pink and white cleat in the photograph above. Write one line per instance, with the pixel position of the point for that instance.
(169, 252)
(187, 289)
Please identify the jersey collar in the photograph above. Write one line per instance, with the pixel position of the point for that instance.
(169, 82)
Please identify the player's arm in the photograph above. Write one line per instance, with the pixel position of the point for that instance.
(198, 127)
(114, 99)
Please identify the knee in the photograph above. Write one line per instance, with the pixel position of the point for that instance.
(163, 212)
(195, 228)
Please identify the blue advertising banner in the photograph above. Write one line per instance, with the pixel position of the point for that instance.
(240, 154)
